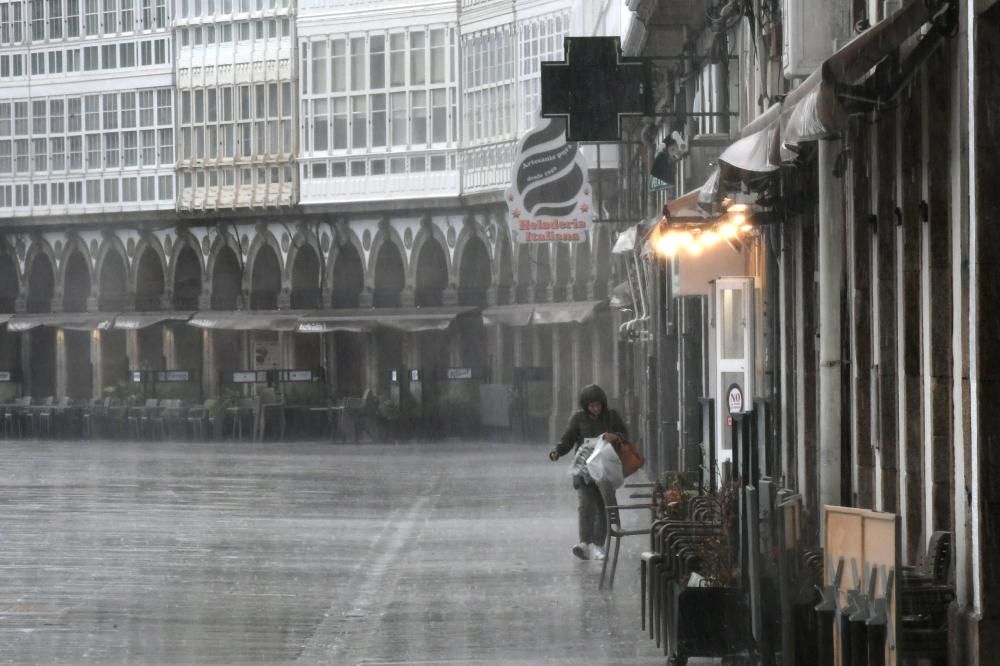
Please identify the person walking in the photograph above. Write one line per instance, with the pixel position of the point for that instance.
(592, 420)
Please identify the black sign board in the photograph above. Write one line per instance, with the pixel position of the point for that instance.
(594, 87)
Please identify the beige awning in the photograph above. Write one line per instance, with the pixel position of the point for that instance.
(137, 320)
(565, 313)
(513, 315)
(71, 321)
(410, 320)
(246, 320)
(686, 208)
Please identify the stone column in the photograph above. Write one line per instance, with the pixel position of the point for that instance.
(27, 381)
(209, 374)
(132, 349)
(61, 378)
(169, 348)
(563, 391)
(96, 365)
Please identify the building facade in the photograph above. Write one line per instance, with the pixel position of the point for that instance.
(853, 315)
(183, 183)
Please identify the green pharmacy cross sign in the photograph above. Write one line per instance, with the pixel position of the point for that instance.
(594, 87)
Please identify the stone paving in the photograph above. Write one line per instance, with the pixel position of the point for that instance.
(313, 553)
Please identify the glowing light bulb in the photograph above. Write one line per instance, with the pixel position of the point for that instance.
(746, 227)
(728, 230)
(666, 244)
(695, 247)
(737, 208)
(709, 238)
(739, 219)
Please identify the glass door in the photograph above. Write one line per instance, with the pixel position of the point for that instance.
(734, 354)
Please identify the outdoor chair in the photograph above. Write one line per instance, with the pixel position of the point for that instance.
(150, 418)
(270, 404)
(115, 418)
(174, 418)
(41, 418)
(200, 417)
(14, 415)
(93, 413)
(235, 416)
(616, 532)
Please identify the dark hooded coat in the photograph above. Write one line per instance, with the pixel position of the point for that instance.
(583, 425)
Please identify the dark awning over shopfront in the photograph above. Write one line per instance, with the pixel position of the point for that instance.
(72, 321)
(137, 320)
(814, 109)
(542, 313)
(410, 320)
(237, 320)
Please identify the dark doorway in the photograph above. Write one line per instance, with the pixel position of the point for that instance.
(226, 281)
(149, 282)
(474, 274)
(389, 278)
(432, 275)
(113, 281)
(348, 278)
(76, 285)
(265, 284)
(187, 280)
(305, 279)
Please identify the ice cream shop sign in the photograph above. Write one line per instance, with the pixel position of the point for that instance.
(549, 198)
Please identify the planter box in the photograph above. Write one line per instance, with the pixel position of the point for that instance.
(712, 622)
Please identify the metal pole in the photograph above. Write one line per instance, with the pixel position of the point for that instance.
(831, 258)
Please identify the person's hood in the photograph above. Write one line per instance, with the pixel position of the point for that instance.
(593, 393)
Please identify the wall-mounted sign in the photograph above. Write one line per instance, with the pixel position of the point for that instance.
(735, 398)
(6, 376)
(394, 376)
(414, 375)
(300, 375)
(246, 377)
(136, 376)
(459, 373)
(549, 198)
(175, 376)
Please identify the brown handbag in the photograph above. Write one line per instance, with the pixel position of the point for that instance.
(631, 458)
(630, 455)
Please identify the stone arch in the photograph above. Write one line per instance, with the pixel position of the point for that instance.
(346, 272)
(429, 233)
(73, 243)
(112, 280)
(224, 274)
(41, 277)
(475, 273)
(78, 279)
(389, 274)
(304, 271)
(306, 291)
(265, 277)
(185, 273)
(504, 271)
(261, 238)
(385, 234)
(147, 243)
(10, 283)
(430, 274)
(470, 234)
(149, 275)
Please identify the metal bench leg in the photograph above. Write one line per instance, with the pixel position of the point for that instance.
(614, 565)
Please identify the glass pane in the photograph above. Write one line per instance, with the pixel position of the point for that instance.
(732, 329)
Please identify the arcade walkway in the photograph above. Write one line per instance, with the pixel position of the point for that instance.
(226, 553)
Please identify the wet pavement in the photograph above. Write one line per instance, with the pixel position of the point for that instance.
(314, 553)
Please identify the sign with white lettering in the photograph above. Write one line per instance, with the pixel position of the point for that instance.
(6, 376)
(549, 198)
(300, 375)
(459, 373)
(244, 377)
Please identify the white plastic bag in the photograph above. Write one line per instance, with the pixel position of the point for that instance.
(578, 469)
(605, 465)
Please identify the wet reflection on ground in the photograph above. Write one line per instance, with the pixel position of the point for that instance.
(237, 553)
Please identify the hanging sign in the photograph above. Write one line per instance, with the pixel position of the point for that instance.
(735, 399)
(549, 198)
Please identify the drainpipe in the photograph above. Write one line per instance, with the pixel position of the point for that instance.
(831, 259)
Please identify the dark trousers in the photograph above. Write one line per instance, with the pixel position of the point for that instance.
(593, 520)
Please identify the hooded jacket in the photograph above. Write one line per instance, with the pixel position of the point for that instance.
(583, 425)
